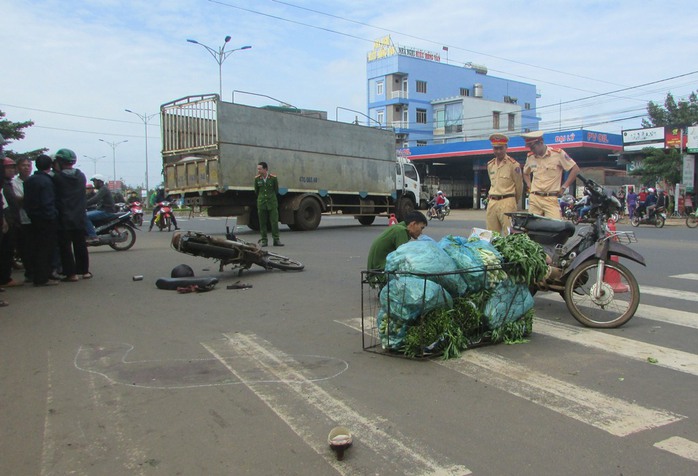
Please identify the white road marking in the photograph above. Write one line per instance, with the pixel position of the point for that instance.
(612, 415)
(615, 416)
(666, 357)
(693, 276)
(679, 446)
(304, 406)
(670, 293)
(645, 311)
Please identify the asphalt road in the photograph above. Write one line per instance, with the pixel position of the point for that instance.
(112, 376)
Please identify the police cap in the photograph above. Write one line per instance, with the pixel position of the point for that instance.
(499, 139)
(532, 137)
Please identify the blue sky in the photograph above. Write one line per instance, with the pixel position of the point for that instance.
(74, 66)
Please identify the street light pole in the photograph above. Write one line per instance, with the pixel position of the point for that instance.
(220, 56)
(145, 118)
(113, 146)
(94, 160)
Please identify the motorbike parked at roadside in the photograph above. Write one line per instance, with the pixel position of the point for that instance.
(115, 231)
(583, 262)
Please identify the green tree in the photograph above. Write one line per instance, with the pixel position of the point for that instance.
(14, 131)
(660, 165)
(672, 114)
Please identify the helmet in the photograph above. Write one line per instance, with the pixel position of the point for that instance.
(66, 155)
(89, 185)
(99, 177)
(161, 187)
(650, 190)
(440, 192)
(182, 271)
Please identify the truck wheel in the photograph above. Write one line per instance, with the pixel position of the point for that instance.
(308, 214)
(366, 220)
(404, 206)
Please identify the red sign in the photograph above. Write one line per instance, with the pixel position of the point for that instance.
(674, 138)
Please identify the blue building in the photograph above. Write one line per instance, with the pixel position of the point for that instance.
(428, 101)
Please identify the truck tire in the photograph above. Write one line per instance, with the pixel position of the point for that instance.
(404, 206)
(308, 214)
(366, 220)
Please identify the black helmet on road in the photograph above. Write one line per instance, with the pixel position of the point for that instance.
(182, 271)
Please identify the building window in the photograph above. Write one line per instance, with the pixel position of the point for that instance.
(421, 86)
(464, 92)
(421, 143)
(380, 116)
(421, 116)
(527, 105)
(495, 120)
(379, 88)
(512, 122)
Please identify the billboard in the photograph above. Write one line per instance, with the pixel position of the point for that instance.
(692, 139)
(638, 139)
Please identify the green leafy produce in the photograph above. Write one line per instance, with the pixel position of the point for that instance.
(526, 258)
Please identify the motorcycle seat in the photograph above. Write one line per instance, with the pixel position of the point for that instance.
(548, 225)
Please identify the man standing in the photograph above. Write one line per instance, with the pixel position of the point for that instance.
(547, 165)
(393, 237)
(40, 205)
(506, 186)
(266, 186)
(70, 202)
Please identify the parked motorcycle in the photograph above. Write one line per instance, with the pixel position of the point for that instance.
(115, 231)
(656, 218)
(231, 251)
(583, 262)
(163, 218)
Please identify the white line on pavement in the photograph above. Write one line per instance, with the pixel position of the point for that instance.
(303, 405)
(679, 446)
(615, 416)
(693, 276)
(670, 293)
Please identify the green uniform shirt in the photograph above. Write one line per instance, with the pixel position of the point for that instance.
(266, 191)
(386, 243)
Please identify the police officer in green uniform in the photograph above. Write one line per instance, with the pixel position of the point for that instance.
(266, 186)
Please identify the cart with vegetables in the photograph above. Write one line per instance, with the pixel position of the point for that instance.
(441, 298)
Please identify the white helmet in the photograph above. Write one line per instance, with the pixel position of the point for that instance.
(650, 190)
(99, 177)
(440, 192)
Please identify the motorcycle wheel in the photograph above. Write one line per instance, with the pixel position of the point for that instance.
(692, 221)
(659, 221)
(442, 216)
(130, 238)
(282, 262)
(164, 223)
(635, 221)
(138, 220)
(620, 295)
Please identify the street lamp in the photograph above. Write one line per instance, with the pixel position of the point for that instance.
(220, 56)
(113, 146)
(145, 118)
(94, 160)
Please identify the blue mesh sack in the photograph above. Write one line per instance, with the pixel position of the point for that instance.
(426, 257)
(474, 256)
(507, 304)
(407, 298)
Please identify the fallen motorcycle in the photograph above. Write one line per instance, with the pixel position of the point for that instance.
(116, 231)
(231, 251)
(583, 262)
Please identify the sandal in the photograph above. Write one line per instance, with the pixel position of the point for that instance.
(87, 275)
(71, 279)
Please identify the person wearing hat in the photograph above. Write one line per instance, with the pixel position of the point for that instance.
(506, 186)
(547, 164)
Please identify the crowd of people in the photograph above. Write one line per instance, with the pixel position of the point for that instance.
(45, 224)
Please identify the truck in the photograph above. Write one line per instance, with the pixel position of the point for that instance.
(211, 149)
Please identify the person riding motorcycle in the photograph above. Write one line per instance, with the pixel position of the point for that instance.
(583, 205)
(649, 205)
(159, 198)
(438, 203)
(104, 203)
